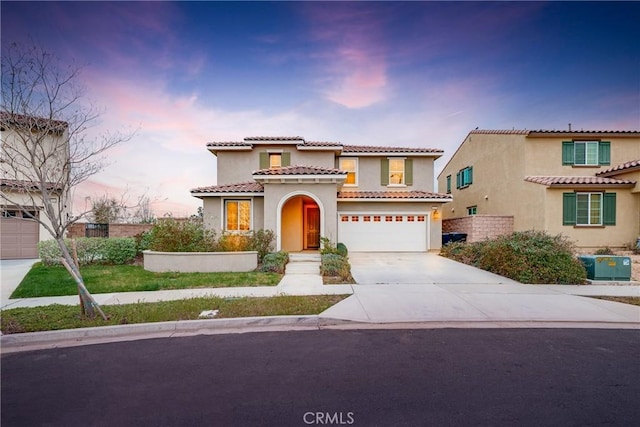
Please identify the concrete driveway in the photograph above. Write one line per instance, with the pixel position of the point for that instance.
(410, 268)
(422, 287)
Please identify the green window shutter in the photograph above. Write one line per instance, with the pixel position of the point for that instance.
(604, 153)
(567, 152)
(458, 176)
(609, 209)
(286, 159)
(470, 181)
(569, 209)
(448, 184)
(408, 172)
(384, 172)
(264, 160)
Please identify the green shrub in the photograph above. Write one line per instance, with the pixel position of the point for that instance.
(170, 235)
(119, 251)
(527, 256)
(262, 242)
(91, 250)
(143, 241)
(274, 262)
(336, 266)
(342, 250)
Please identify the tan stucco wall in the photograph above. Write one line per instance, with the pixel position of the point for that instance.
(200, 262)
(292, 226)
(238, 166)
(369, 174)
(625, 231)
(275, 195)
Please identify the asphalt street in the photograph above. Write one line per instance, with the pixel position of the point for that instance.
(422, 377)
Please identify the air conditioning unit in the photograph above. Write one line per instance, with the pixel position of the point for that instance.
(607, 267)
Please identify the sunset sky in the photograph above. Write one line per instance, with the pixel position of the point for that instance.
(417, 74)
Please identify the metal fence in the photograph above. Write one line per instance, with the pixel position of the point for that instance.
(96, 230)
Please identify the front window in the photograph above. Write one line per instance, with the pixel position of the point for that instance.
(351, 167)
(238, 215)
(275, 160)
(396, 171)
(586, 153)
(589, 209)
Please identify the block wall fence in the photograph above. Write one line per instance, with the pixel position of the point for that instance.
(479, 227)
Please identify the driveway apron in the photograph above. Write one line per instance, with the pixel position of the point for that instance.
(423, 287)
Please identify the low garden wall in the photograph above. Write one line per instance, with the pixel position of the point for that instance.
(200, 262)
(479, 227)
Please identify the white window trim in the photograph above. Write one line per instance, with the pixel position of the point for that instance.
(223, 217)
(586, 144)
(356, 171)
(404, 172)
(589, 224)
(270, 154)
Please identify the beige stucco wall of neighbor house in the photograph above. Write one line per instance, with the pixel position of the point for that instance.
(498, 186)
(369, 174)
(625, 231)
(426, 208)
(276, 195)
(544, 155)
(238, 166)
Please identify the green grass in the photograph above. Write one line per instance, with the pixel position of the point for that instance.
(43, 281)
(55, 317)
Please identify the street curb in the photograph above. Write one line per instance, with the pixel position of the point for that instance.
(82, 336)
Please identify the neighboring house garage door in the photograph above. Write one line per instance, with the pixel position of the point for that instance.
(19, 238)
(388, 232)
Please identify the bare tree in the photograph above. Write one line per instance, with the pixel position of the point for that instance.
(46, 147)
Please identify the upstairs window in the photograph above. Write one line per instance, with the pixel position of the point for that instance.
(396, 171)
(275, 160)
(351, 166)
(586, 153)
(464, 177)
(472, 210)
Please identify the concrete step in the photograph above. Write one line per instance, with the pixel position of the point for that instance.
(302, 267)
(304, 257)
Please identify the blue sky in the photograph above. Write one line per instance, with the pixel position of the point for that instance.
(381, 73)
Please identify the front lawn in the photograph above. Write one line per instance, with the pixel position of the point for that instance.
(55, 317)
(43, 281)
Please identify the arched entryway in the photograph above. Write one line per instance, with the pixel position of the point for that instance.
(299, 222)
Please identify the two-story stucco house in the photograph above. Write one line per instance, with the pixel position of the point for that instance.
(20, 199)
(582, 184)
(370, 198)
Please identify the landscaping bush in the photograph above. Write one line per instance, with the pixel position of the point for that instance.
(262, 242)
(170, 235)
(341, 249)
(604, 251)
(143, 241)
(274, 262)
(527, 256)
(91, 250)
(336, 266)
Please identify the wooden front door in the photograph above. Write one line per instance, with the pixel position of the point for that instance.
(311, 227)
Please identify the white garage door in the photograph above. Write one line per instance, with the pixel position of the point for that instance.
(378, 232)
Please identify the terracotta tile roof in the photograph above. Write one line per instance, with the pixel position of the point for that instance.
(379, 149)
(321, 144)
(392, 195)
(501, 131)
(19, 185)
(228, 144)
(578, 180)
(633, 164)
(274, 138)
(243, 187)
(300, 170)
(11, 119)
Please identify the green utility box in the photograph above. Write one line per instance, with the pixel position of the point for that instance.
(607, 267)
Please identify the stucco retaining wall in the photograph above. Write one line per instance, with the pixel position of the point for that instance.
(479, 227)
(200, 262)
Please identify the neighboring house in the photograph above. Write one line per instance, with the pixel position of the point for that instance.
(20, 233)
(582, 184)
(369, 198)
